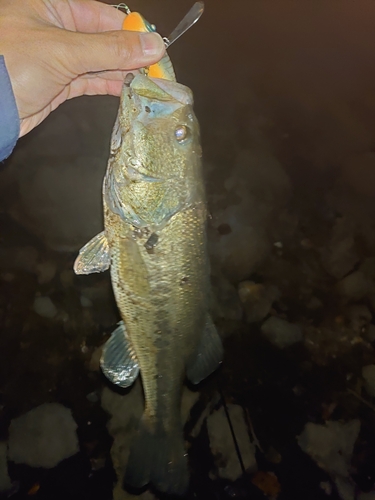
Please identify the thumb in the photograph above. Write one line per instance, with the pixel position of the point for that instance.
(112, 50)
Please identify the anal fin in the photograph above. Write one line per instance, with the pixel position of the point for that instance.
(94, 257)
(209, 354)
(118, 361)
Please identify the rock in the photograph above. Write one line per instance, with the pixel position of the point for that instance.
(94, 364)
(189, 398)
(340, 255)
(359, 317)
(268, 483)
(354, 287)
(280, 332)
(345, 488)
(43, 437)
(85, 302)
(326, 486)
(204, 415)
(44, 307)
(330, 445)
(257, 299)
(8, 277)
(368, 373)
(222, 446)
(45, 271)
(5, 483)
(126, 411)
(92, 397)
(225, 300)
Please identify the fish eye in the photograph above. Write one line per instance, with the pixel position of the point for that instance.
(181, 133)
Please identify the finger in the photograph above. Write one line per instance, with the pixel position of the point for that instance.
(94, 86)
(90, 16)
(33, 121)
(112, 50)
(110, 75)
(83, 85)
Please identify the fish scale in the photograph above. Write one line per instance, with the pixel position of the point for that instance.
(164, 276)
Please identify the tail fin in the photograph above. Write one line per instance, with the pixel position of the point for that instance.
(158, 458)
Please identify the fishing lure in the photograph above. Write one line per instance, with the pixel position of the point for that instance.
(136, 22)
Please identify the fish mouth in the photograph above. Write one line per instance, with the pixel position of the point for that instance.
(158, 89)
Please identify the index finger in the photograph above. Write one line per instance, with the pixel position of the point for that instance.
(90, 16)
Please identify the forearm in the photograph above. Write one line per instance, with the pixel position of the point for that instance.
(9, 119)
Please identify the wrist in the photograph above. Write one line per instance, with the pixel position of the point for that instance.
(9, 117)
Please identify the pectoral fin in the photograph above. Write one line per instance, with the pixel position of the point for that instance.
(118, 362)
(94, 257)
(209, 354)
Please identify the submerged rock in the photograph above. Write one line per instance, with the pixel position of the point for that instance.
(43, 437)
(345, 488)
(85, 302)
(225, 302)
(355, 286)
(280, 332)
(222, 445)
(340, 255)
(257, 299)
(359, 317)
(44, 307)
(331, 447)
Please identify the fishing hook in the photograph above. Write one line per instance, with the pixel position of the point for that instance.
(122, 6)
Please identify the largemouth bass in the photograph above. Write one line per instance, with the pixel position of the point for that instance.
(154, 243)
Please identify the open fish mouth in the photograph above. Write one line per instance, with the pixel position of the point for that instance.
(158, 89)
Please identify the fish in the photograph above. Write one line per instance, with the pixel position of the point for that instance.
(155, 244)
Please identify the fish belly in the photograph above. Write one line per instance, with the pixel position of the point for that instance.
(162, 298)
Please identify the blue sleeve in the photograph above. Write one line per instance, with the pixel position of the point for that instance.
(9, 119)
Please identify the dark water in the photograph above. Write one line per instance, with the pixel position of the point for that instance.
(284, 93)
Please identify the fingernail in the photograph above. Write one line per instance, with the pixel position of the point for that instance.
(152, 44)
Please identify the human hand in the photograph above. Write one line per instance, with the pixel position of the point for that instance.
(59, 49)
